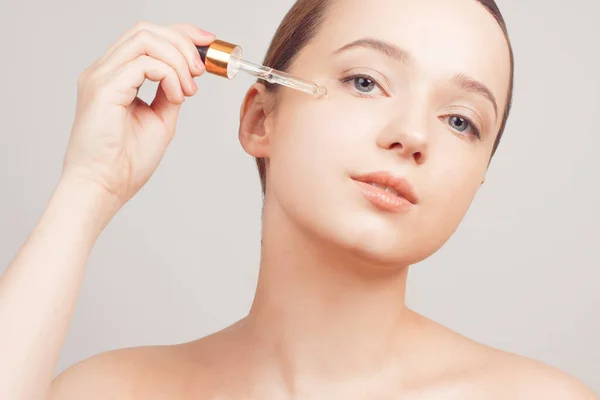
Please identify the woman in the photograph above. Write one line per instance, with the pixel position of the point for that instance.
(358, 186)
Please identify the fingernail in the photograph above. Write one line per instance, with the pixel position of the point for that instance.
(194, 85)
(199, 65)
(207, 33)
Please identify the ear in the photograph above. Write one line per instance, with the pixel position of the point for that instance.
(254, 133)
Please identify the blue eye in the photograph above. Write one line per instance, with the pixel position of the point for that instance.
(462, 125)
(364, 85)
(458, 123)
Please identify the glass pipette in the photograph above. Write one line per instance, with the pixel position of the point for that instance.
(226, 60)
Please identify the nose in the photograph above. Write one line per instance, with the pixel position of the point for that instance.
(406, 137)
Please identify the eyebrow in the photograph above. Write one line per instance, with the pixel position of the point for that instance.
(473, 86)
(391, 50)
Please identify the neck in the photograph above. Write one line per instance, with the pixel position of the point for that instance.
(321, 313)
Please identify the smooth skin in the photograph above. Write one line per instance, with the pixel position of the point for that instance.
(117, 141)
(329, 319)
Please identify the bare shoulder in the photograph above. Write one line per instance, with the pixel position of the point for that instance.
(124, 374)
(524, 378)
(491, 373)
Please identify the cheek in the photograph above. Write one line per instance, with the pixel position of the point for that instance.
(320, 137)
(298, 152)
(453, 189)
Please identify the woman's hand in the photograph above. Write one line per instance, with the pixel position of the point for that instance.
(116, 144)
(118, 140)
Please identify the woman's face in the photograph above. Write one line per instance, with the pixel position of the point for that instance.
(417, 92)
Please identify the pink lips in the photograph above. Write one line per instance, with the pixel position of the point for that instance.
(387, 192)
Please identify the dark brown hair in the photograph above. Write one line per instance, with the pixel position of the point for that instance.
(300, 26)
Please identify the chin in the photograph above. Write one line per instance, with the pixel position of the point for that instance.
(340, 220)
(384, 244)
(370, 238)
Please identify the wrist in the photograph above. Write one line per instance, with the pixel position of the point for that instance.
(87, 201)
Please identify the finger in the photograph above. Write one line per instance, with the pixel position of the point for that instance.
(153, 45)
(166, 110)
(129, 77)
(186, 38)
(199, 36)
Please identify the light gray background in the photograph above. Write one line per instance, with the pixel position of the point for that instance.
(178, 263)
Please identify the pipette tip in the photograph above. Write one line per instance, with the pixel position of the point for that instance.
(321, 91)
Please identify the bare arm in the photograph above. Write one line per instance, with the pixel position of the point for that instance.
(39, 289)
(116, 144)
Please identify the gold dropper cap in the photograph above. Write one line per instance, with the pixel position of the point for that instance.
(217, 57)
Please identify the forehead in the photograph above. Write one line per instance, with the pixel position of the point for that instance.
(445, 37)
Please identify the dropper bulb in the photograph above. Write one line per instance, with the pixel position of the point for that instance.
(202, 50)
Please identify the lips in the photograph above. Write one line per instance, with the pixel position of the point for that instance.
(392, 184)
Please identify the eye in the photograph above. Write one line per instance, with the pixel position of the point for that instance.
(363, 85)
(462, 125)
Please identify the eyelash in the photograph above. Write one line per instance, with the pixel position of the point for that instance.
(351, 78)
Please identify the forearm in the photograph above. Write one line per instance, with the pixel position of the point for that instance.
(39, 289)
